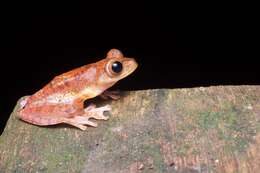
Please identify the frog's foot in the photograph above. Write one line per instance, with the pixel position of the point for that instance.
(90, 112)
(80, 122)
(112, 94)
(97, 113)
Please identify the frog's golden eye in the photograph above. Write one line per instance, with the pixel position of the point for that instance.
(114, 68)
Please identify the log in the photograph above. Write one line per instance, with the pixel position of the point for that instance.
(205, 129)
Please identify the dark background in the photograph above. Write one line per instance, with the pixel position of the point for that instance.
(176, 45)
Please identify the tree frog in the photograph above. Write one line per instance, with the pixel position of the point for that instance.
(62, 100)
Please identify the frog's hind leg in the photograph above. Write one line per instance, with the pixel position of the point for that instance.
(78, 119)
(80, 122)
(96, 113)
(82, 118)
(37, 119)
(45, 120)
(75, 123)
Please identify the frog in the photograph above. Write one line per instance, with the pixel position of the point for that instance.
(61, 101)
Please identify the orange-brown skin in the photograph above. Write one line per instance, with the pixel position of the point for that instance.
(62, 100)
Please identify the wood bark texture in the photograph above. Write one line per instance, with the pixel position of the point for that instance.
(205, 129)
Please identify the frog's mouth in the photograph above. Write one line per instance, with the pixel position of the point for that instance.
(130, 65)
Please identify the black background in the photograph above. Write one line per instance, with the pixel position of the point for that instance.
(176, 45)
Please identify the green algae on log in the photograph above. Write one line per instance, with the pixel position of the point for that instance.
(206, 129)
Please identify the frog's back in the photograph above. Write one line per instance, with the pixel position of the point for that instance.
(67, 84)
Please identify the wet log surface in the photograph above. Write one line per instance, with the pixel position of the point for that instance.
(206, 129)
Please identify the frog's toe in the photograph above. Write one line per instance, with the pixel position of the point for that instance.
(84, 120)
(98, 113)
(103, 108)
(74, 123)
(99, 116)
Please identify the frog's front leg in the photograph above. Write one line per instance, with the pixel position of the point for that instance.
(115, 95)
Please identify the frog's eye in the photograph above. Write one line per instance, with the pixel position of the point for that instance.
(114, 68)
(117, 67)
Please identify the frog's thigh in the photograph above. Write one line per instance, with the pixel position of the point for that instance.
(40, 119)
(46, 115)
(44, 120)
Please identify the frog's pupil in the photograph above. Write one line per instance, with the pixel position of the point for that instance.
(117, 67)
